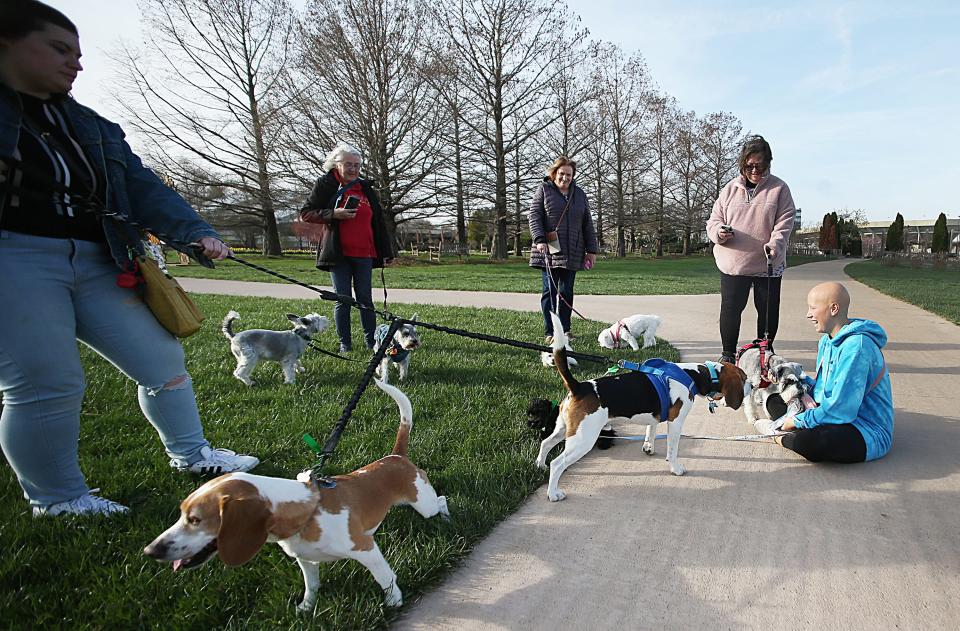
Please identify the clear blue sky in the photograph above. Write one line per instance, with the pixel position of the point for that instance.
(860, 100)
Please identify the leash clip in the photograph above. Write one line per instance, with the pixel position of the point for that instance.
(322, 481)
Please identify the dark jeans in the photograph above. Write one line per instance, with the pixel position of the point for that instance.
(563, 280)
(734, 291)
(828, 443)
(358, 272)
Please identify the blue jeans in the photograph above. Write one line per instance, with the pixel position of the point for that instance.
(357, 272)
(54, 292)
(563, 280)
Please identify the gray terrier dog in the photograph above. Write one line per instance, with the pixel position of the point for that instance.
(404, 342)
(286, 347)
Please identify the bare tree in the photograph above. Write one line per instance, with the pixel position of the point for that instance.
(721, 136)
(509, 53)
(622, 86)
(690, 195)
(364, 84)
(206, 97)
(659, 139)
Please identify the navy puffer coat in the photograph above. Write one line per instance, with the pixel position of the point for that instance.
(575, 227)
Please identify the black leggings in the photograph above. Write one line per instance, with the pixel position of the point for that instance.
(734, 291)
(827, 443)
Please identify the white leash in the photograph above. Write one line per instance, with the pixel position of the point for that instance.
(747, 438)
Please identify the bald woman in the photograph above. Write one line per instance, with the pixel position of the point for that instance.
(854, 418)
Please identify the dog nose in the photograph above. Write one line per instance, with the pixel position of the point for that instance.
(155, 550)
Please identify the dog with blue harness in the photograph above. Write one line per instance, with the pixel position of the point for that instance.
(654, 392)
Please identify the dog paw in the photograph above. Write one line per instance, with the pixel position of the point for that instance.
(677, 469)
(393, 597)
(541, 464)
(648, 448)
(306, 606)
(558, 496)
(443, 509)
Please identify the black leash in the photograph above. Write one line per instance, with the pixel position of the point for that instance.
(331, 354)
(324, 294)
(316, 472)
(324, 453)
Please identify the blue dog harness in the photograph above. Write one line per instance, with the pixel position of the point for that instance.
(394, 351)
(660, 372)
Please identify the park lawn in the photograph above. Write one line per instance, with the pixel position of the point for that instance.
(672, 275)
(470, 435)
(935, 290)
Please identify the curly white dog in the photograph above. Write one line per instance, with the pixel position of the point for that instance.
(627, 330)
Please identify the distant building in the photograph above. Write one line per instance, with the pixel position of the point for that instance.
(917, 236)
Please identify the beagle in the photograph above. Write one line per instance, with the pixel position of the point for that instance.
(590, 405)
(235, 514)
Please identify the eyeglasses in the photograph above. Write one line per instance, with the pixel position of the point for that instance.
(755, 167)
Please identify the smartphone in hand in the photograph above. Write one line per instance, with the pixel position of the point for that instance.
(352, 203)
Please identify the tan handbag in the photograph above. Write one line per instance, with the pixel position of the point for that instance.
(166, 299)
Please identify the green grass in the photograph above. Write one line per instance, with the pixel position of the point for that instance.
(612, 276)
(931, 289)
(469, 401)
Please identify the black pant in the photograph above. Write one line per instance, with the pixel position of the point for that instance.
(734, 291)
(828, 443)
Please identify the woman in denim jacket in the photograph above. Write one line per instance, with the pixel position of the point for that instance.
(60, 264)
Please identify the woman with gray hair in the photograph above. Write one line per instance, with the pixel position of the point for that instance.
(355, 239)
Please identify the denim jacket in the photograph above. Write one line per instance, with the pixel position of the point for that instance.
(133, 190)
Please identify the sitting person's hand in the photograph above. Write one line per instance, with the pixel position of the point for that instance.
(772, 428)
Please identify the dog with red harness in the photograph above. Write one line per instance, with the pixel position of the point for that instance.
(769, 374)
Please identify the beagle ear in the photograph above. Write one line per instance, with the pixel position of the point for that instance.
(243, 528)
(732, 379)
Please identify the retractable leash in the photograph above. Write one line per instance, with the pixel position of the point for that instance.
(324, 453)
(745, 438)
(766, 322)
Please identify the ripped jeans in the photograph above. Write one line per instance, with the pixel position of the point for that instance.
(54, 292)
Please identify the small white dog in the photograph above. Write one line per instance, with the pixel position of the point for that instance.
(404, 342)
(286, 347)
(627, 330)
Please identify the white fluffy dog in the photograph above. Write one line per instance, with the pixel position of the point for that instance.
(627, 330)
(286, 347)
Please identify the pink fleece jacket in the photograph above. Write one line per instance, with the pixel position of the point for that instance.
(767, 219)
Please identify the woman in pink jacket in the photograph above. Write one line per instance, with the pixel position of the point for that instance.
(750, 225)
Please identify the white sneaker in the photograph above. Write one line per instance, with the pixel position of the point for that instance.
(216, 461)
(86, 504)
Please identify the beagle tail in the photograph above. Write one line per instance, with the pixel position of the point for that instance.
(406, 417)
(560, 354)
(227, 326)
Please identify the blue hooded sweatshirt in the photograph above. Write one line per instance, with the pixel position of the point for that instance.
(846, 386)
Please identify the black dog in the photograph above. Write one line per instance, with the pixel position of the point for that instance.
(542, 417)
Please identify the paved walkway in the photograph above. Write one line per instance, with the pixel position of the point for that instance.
(752, 536)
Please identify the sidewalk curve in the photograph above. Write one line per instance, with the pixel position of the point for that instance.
(752, 536)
